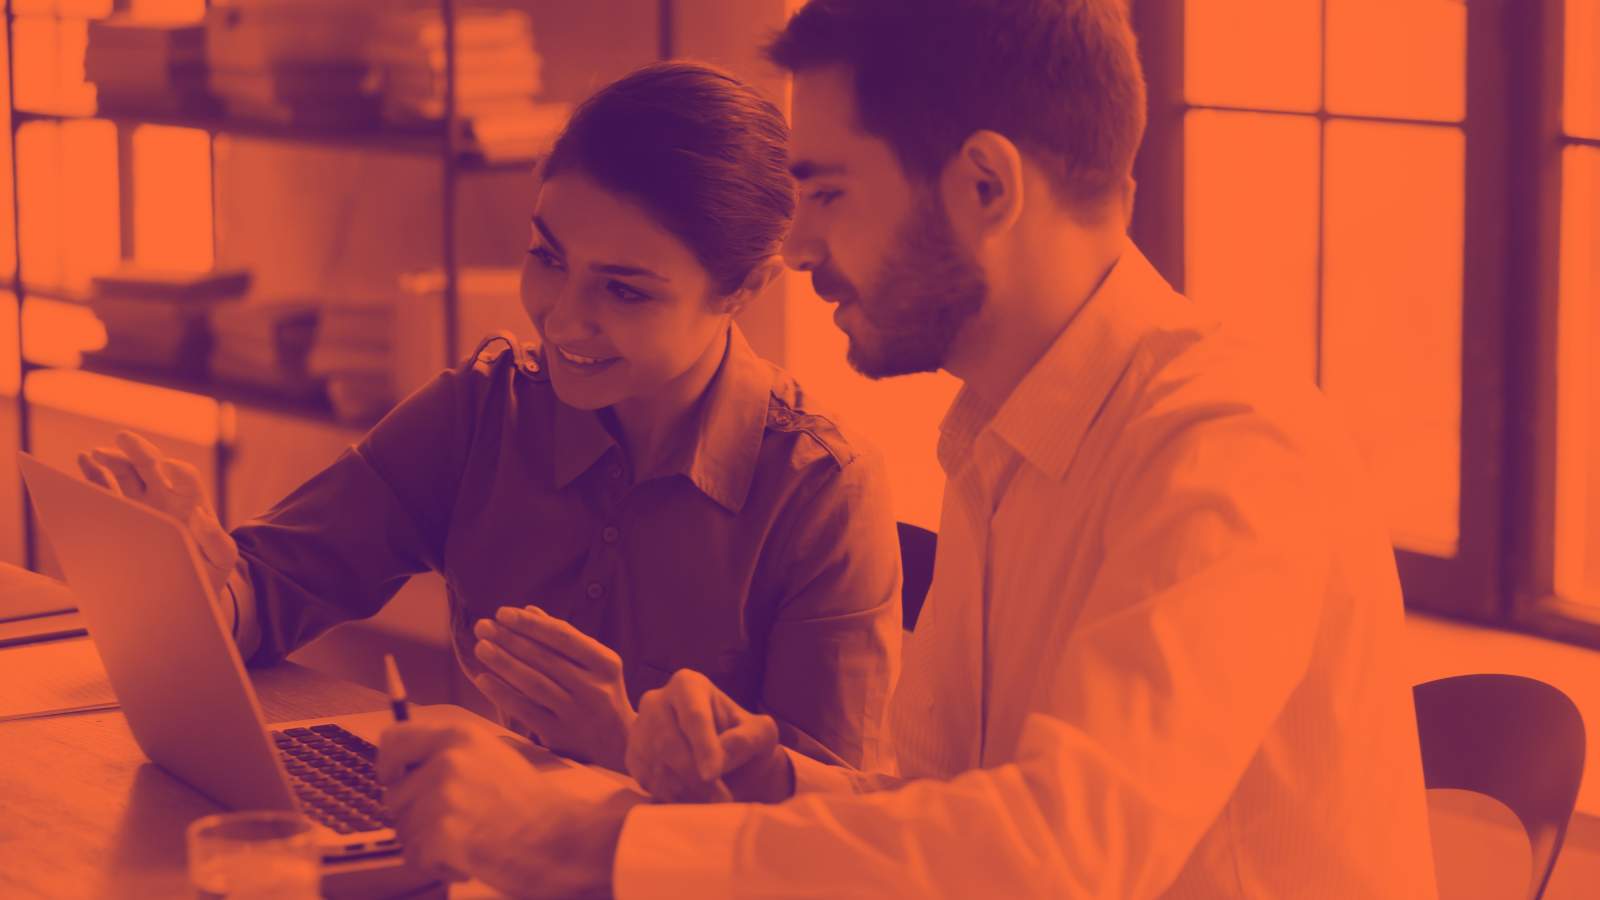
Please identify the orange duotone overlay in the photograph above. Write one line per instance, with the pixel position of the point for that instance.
(1323, 206)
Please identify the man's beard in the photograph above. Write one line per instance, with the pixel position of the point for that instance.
(926, 289)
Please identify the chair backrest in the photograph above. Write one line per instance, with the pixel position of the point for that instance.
(1515, 739)
(916, 567)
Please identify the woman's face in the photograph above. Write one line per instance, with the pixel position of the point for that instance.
(623, 306)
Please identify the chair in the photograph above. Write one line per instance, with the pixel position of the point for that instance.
(1517, 740)
(916, 567)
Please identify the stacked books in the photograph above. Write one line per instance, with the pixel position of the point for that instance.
(488, 300)
(295, 62)
(148, 68)
(498, 75)
(522, 130)
(156, 319)
(373, 353)
(495, 62)
(265, 347)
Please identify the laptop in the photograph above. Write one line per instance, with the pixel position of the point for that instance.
(149, 608)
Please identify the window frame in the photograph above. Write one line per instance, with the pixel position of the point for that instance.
(1541, 142)
(1502, 573)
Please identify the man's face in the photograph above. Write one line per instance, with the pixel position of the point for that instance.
(877, 244)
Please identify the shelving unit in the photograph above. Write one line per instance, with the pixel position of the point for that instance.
(256, 448)
(436, 140)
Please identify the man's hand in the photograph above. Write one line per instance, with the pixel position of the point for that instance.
(564, 685)
(693, 744)
(138, 470)
(468, 805)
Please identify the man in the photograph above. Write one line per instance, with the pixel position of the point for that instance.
(1160, 654)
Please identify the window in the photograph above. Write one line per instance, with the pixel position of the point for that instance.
(1351, 182)
(1324, 187)
(1572, 590)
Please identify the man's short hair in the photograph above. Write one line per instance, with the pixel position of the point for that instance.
(1059, 78)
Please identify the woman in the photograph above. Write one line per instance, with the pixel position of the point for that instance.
(662, 497)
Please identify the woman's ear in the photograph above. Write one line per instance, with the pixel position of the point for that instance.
(982, 186)
(760, 277)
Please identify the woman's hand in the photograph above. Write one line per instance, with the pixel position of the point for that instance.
(693, 744)
(564, 685)
(138, 470)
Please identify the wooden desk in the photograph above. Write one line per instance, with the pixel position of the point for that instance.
(84, 814)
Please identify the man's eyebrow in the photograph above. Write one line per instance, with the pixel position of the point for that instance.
(616, 269)
(807, 169)
(545, 230)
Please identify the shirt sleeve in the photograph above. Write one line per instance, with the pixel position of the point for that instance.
(833, 648)
(342, 544)
(1145, 720)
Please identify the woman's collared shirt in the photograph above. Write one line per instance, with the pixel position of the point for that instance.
(764, 555)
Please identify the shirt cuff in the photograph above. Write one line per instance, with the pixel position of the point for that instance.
(671, 850)
(813, 776)
(246, 627)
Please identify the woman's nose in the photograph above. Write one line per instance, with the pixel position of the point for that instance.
(567, 319)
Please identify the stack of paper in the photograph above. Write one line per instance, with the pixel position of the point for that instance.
(265, 346)
(146, 67)
(157, 319)
(373, 353)
(51, 679)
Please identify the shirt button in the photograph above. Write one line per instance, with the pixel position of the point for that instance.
(609, 534)
(595, 590)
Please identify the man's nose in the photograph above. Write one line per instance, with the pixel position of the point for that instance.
(804, 249)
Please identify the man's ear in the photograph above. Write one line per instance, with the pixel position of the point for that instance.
(754, 285)
(982, 185)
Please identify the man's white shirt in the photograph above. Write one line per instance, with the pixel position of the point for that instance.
(1160, 656)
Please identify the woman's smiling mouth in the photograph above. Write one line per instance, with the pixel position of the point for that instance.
(579, 361)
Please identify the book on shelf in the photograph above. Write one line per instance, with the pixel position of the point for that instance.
(402, 87)
(290, 82)
(157, 318)
(424, 28)
(114, 72)
(264, 335)
(148, 38)
(137, 282)
(112, 101)
(346, 114)
(255, 36)
(147, 67)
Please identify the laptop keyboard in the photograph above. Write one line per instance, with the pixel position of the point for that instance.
(332, 774)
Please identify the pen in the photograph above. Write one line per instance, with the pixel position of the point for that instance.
(397, 689)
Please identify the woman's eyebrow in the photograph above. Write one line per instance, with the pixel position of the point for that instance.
(548, 235)
(618, 269)
(602, 268)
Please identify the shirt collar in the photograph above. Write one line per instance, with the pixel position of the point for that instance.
(1047, 414)
(722, 446)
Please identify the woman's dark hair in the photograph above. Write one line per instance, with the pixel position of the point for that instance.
(699, 149)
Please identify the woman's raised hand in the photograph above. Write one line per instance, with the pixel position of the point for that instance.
(138, 470)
